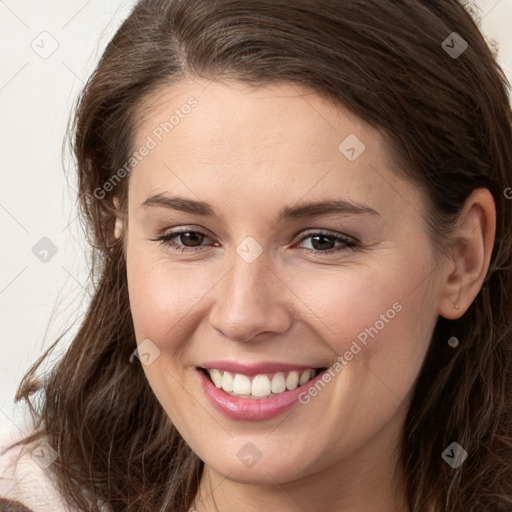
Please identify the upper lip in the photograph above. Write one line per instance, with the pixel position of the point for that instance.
(256, 368)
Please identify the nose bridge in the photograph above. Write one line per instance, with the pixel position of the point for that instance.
(251, 298)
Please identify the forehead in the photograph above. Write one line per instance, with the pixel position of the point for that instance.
(281, 138)
(234, 113)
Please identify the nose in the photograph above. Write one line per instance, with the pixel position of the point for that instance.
(251, 301)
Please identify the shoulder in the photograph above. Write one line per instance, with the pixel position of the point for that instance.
(12, 506)
(25, 480)
(27, 483)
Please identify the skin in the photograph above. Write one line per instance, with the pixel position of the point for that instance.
(250, 152)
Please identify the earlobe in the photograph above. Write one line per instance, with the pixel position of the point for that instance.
(473, 241)
(450, 306)
(118, 228)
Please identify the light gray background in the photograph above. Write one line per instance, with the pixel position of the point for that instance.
(37, 92)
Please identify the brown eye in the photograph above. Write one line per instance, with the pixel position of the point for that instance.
(323, 242)
(190, 238)
(183, 240)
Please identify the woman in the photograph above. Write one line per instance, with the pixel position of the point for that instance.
(301, 220)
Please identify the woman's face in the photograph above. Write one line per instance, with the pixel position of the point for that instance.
(268, 291)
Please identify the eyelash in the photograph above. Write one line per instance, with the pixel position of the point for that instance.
(167, 240)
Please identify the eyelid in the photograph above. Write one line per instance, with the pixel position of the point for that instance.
(326, 232)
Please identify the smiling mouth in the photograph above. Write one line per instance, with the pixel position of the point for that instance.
(266, 385)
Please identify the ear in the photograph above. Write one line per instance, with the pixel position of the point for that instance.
(118, 228)
(473, 241)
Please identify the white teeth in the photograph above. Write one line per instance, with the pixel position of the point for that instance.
(227, 381)
(260, 386)
(292, 381)
(304, 377)
(216, 377)
(278, 383)
(241, 385)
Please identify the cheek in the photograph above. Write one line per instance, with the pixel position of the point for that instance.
(379, 325)
(162, 301)
(343, 303)
(379, 321)
(163, 296)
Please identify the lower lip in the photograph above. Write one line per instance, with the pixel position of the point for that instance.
(253, 409)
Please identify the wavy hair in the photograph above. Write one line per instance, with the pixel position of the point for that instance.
(447, 121)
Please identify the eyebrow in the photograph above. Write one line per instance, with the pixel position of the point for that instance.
(312, 209)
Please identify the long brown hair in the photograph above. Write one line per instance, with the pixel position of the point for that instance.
(447, 119)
